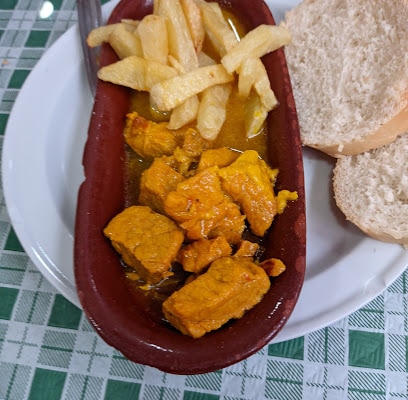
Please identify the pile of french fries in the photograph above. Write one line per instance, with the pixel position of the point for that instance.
(163, 55)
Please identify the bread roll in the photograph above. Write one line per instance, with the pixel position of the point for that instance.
(371, 189)
(348, 65)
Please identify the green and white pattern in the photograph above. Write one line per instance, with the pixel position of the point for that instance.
(49, 351)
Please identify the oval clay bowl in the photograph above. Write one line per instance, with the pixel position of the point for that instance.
(129, 320)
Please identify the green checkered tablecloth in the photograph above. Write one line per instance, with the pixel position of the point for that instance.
(49, 351)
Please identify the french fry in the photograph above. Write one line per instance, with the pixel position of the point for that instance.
(130, 24)
(156, 6)
(184, 113)
(173, 62)
(262, 87)
(252, 74)
(153, 36)
(204, 60)
(136, 73)
(100, 35)
(170, 93)
(247, 77)
(255, 44)
(194, 22)
(125, 43)
(180, 43)
(216, 27)
(213, 110)
(255, 116)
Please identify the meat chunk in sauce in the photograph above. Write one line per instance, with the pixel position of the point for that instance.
(193, 143)
(220, 157)
(185, 158)
(247, 249)
(146, 240)
(156, 183)
(273, 266)
(182, 162)
(229, 288)
(201, 208)
(147, 138)
(249, 181)
(198, 255)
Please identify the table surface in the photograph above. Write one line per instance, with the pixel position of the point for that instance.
(49, 351)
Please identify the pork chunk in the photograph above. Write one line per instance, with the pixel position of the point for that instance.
(147, 138)
(147, 241)
(156, 182)
(229, 288)
(247, 249)
(220, 157)
(249, 181)
(194, 143)
(201, 208)
(198, 255)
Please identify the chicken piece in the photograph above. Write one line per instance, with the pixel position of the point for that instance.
(147, 241)
(249, 181)
(201, 208)
(247, 249)
(220, 157)
(198, 255)
(156, 182)
(230, 287)
(147, 138)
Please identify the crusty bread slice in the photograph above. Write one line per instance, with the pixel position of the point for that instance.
(371, 189)
(348, 64)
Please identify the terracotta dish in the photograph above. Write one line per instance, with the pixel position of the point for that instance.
(130, 321)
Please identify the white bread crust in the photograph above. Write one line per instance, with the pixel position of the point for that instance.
(384, 135)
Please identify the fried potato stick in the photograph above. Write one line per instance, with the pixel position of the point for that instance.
(136, 73)
(180, 42)
(255, 44)
(124, 42)
(213, 110)
(170, 93)
(153, 36)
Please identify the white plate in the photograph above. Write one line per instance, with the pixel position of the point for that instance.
(42, 171)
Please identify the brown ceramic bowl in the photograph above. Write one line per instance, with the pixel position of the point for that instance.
(128, 320)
